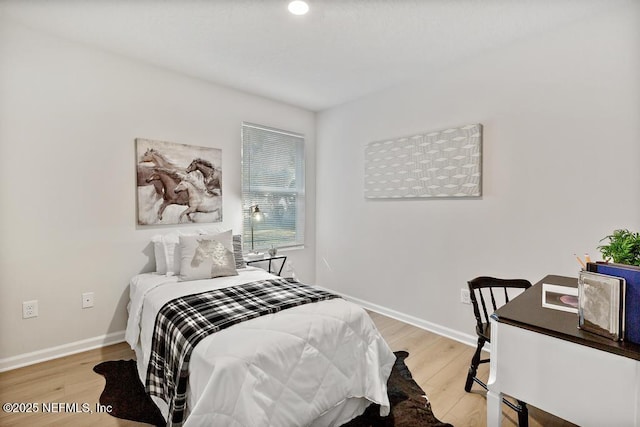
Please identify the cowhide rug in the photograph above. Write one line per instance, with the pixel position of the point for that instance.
(409, 405)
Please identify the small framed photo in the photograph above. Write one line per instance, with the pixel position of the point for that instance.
(563, 298)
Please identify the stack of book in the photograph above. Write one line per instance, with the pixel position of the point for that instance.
(609, 301)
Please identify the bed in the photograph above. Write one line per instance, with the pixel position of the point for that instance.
(317, 364)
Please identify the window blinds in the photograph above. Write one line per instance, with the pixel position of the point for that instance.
(273, 179)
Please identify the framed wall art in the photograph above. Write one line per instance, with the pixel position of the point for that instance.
(178, 183)
(443, 163)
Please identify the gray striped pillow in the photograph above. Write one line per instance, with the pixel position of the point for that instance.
(237, 251)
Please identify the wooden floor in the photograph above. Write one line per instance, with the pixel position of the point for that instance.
(438, 364)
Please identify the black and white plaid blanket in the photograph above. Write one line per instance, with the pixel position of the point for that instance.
(183, 322)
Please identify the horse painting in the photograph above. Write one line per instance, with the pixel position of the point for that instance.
(199, 200)
(169, 179)
(161, 166)
(212, 175)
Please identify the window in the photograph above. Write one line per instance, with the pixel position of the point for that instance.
(273, 179)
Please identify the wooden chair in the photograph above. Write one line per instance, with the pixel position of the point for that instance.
(479, 288)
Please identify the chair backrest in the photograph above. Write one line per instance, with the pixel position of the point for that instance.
(485, 286)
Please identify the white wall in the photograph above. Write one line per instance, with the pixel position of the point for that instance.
(561, 116)
(68, 119)
(561, 130)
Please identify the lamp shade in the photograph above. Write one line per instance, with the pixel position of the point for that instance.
(256, 215)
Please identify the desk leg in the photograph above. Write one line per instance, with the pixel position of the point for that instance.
(494, 409)
(494, 396)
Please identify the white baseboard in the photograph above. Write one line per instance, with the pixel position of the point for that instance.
(470, 340)
(26, 359)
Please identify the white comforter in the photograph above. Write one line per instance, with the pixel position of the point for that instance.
(316, 364)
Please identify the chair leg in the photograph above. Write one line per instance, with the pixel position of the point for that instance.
(473, 369)
(523, 414)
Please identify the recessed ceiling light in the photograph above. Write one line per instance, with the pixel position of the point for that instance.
(298, 7)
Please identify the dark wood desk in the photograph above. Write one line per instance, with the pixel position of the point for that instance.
(539, 356)
(526, 311)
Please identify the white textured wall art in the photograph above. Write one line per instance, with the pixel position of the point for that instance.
(445, 163)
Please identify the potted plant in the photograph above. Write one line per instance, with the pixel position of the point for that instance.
(623, 247)
(621, 253)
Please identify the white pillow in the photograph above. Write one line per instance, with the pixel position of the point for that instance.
(160, 254)
(167, 253)
(207, 256)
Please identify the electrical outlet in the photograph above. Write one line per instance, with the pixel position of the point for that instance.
(87, 300)
(29, 309)
(465, 297)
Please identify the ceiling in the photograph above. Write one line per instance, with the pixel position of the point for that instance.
(340, 51)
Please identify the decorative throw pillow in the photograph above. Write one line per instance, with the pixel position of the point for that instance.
(207, 256)
(237, 244)
(237, 251)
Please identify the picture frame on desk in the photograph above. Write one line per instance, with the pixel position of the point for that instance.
(557, 297)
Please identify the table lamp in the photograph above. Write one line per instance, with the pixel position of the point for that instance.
(255, 216)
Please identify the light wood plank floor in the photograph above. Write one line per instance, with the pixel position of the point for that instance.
(438, 364)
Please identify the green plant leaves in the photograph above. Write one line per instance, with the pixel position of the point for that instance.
(623, 247)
